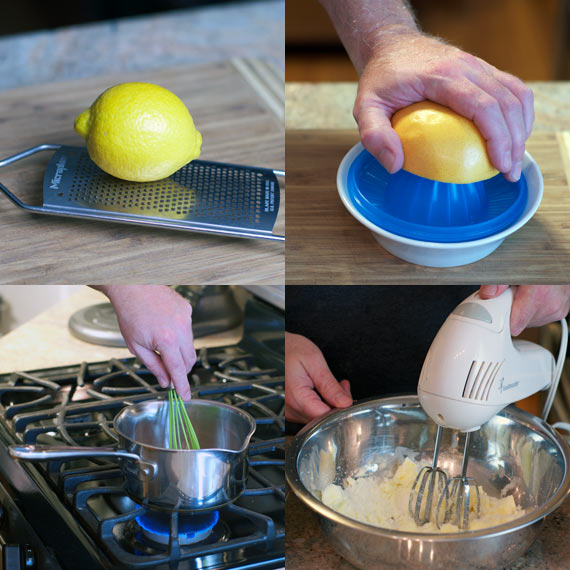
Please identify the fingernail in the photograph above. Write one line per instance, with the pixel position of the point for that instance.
(344, 399)
(516, 330)
(516, 171)
(507, 161)
(387, 158)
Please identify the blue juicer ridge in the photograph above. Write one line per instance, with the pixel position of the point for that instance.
(418, 208)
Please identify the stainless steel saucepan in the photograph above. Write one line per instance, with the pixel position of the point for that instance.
(173, 479)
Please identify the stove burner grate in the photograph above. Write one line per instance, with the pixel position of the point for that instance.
(76, 405)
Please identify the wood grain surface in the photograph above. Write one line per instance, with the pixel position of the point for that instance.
(326, 245)
(238, 107)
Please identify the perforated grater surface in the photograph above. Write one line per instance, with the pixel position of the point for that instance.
(208, 197)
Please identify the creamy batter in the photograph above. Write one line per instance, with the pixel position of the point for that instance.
(384, 503)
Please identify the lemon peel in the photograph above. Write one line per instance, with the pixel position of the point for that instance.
(442, 145)
(139, 132)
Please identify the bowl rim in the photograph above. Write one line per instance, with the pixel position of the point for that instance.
(528, 164)
(537, 514)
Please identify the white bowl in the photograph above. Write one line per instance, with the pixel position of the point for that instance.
(436, 254)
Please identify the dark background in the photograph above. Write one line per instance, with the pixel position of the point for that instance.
(375, 336)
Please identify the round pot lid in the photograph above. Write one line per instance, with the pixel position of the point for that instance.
(97, 324)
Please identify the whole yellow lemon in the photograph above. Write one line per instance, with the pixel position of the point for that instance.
(441, 145)
(139, 132)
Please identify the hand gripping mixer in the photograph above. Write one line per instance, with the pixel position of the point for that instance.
(472, 370)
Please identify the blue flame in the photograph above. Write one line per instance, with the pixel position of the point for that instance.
(188, 525)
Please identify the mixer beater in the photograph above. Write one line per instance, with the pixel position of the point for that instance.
(472, 370)
(455, 504)
(431, 479)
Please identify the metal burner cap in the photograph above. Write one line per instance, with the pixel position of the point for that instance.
(97, 324)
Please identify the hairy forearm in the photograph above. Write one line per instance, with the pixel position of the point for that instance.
(363, 24)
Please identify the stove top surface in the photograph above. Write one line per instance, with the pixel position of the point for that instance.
(80, 509)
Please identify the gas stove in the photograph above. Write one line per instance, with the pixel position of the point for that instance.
(76, 513)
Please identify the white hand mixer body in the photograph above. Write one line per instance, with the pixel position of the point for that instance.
(474, 368)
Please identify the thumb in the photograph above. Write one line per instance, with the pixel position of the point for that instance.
(379, 138)
(491, 291)
(326, 384)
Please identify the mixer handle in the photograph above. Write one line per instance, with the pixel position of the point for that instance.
(491, 313)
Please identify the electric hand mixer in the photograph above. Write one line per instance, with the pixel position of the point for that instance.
(474, 369)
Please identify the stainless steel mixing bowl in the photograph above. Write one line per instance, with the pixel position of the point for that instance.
(515, 451)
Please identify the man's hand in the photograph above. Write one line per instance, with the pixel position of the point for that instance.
(533, 305)
(156, 324)
(407, 66)
(399, 65)
(310, 388)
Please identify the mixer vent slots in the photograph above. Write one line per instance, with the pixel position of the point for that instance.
(480, 380)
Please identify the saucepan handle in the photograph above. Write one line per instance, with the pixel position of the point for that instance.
(51, 453)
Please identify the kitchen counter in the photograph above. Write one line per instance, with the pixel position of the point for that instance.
(45, 340)
(180, 37)
(329, 105)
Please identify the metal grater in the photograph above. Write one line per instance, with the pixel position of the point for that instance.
(207, 197)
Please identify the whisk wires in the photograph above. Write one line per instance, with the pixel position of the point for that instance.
(180, 427)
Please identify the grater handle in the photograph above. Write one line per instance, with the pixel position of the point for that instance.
(28, 152)
(20, 156)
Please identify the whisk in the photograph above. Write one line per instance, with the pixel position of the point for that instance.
(180, 429)
(434, 479)
(455, 504)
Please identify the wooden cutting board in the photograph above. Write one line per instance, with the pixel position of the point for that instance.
(326, 245)
(238, 107)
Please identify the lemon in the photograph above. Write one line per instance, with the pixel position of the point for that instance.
(139, 132)
(441, 145)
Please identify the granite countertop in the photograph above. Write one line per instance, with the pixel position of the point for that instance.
(307, 547)
(45, 340)
(329, 105)
(193, 35)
